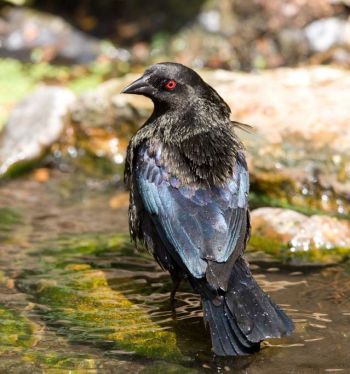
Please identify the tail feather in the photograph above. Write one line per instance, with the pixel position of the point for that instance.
(227, 338)
(244, 316)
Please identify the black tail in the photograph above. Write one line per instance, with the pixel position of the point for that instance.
(243, 316)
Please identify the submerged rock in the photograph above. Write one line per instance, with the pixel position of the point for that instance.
(34, 125)
(16, 331)
(84, 302)
(88, 305)
(293, 236)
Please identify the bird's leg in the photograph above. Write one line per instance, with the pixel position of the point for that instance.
(176, 283)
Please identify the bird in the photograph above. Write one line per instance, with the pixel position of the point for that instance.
(188, 179)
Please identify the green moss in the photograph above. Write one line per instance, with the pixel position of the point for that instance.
(279, 190)
(20, 167)
(85, 83)
(14, 85)
(99, 167)
(53, 360)
(87, 302)
(73, 246)
(267, 245)
(81, 301)
(60, 361)
(16, 332)
(259, 199)
(322, 256)
(275, 185)
(283, 252)
(9, 217)
(78, 78)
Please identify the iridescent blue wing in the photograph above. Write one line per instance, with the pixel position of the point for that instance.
(201, 225)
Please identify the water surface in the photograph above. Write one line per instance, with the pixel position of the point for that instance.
(75, 295)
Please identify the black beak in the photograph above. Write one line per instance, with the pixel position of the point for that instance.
(139, 87)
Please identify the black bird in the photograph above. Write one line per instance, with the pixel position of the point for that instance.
(189, 183)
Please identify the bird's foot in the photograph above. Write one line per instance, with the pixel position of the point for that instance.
(173, 309)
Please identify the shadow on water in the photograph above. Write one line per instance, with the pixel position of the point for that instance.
(76, 296)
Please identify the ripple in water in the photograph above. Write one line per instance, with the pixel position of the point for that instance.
(74, 300)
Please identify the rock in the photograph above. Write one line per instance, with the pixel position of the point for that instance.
(106, 107)
(227, 34)
(326, 33)
(35, 124)
(300, 149)
(24, 31)
(106, 119)
(293, 43)
(292, 235)
(196, 48)
(254, 34)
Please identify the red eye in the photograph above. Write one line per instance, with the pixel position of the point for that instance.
(170, 85)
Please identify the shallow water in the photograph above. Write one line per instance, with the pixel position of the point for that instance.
(75, 296)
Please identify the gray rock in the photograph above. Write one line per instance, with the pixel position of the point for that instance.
(251, 34)
(210, 20)
(326, 33)
(35, 124)
(23, 30)
(293, 44)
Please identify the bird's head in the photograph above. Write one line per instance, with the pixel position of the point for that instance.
(172, 85)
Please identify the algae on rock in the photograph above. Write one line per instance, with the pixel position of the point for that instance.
(79, 299)
(296, 238)
(16, 331)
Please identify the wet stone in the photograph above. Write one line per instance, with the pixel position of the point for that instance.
(293, 236)
(105, 120)
(34, 125)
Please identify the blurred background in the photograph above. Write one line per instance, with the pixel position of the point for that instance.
(74, 293)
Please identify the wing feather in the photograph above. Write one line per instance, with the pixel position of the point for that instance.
(199, 224)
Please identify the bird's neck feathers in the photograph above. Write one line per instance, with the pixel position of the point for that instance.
(199, 143)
